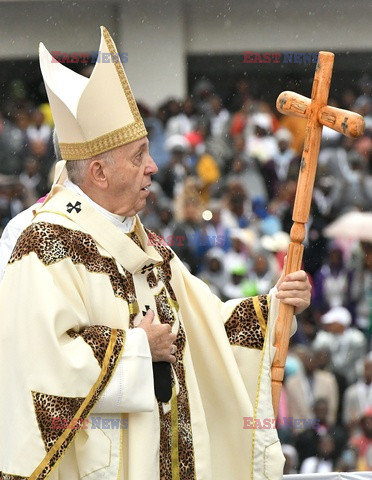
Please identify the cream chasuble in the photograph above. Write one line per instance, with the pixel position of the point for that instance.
(73, 286)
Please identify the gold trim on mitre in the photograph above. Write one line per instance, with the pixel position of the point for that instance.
(94, 115)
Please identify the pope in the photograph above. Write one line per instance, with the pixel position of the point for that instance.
(98, 321)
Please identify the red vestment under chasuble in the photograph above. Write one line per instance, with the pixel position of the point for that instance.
(74, 286)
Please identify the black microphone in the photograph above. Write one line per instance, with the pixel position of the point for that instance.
(162, 381)
(162, 376)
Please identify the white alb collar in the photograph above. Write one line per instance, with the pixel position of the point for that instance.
(124, 224)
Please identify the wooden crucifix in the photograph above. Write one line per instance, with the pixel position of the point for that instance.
(318, 113)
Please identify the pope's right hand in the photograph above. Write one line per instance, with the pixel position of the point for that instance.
(160, 337)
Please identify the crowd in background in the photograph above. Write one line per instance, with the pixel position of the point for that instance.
(223, 200)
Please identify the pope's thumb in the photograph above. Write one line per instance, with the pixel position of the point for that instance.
(283, 275)
(148, 318)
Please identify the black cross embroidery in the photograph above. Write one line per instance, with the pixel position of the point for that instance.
(147, 309)
(344, 125)
(76, 207)
(282, 102)
(147, 268)
(303, 164)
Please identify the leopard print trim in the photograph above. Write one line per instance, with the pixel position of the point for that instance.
(52, 413)
(97, 337)
(243, 328)
(133, 236)
(186, 459)
(164, 270)
(52, 243)
(9, 476)
(45, 468)
(152, 281)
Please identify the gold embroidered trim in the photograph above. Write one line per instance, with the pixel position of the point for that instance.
(58, 444)
(260, 317)
(122, 416)
(174, 438)
(124, 462)
(133, 308)
(257, 397)
(116, 138)
(104, 143)
(173, 303)
(123, 79)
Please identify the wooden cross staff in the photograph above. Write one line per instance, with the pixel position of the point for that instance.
(318, 113)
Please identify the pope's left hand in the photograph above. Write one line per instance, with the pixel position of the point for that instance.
(294, 289)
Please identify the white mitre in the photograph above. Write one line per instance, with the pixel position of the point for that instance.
(91, 115)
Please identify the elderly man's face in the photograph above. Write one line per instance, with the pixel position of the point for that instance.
(129, 177)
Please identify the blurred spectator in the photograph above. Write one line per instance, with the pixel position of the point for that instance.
(316, 244)
(346, 344)
(282, 204)
(264, 222)
(282, 165)
(187, 235)
(246, 170)
(310, 384)
(213, 272)
(297, 127)
(31, 180)
(351, 168)
(324, 460)
(156, 137)
(217, 232)
(291, 459)
(150, 214)
(363, 106)
(309, 442)
(240, 251)
(17, 137)
(348, 98)
(260, 143)
(10, 162)
(361, 290)
(174, 174)
(202, 93)
(208, 172)
(184, 122)
(233, 287)
(326, 196)
(332, 282)
(237, 210)
(241, 94)
(219, 118)
(166, 223)
(358, 397)
(306, 329)
(262, 276)
(38, 130)
(10, 198)
(239, 119)
(277, 243)
(362, 443)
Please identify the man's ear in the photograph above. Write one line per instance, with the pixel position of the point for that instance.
(97, 174)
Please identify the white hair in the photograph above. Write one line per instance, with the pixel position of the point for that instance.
(77, 169)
